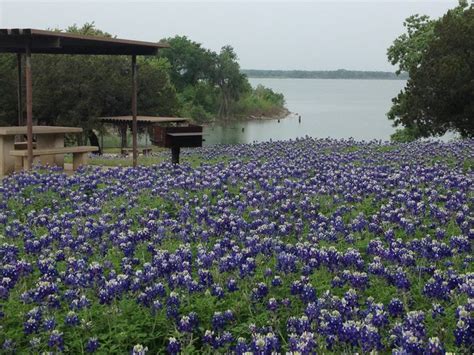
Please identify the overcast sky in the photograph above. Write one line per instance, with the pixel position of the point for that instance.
(311, 35)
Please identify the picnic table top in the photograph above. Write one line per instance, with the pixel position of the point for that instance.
(14, 130)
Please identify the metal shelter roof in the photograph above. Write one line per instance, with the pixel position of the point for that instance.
(53, 42)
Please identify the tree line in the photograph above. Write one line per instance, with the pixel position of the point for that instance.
(324, 74)
(183, 80)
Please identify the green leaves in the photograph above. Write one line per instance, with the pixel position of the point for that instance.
(438, 55)
(211, 84)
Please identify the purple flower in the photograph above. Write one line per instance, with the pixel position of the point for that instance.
(174, 346)
(272, 304)
(72, 319)
(434, 347)
(56, 340)
(92, 345)
(395, 307)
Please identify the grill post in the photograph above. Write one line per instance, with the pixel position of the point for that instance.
(175, 155)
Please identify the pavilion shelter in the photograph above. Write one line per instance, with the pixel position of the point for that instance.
(25, 42)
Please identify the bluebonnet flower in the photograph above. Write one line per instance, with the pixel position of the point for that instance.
(92, 345)
(71, 319)
(434, 346)
(188, 323)
(241, 348)
(172, 305)
(272, 304)
(304, 343)
(139, 349)
(437, 311)
(232, 285)
(464, 331)
(8, 345)
(49, 323)
(217, 291)
(265, 344)
(174, 347)
(56, 340)
(218, 320)
(259, 292)
(277, 281)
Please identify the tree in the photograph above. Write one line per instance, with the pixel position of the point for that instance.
(8, 90)
(439, 57)
(208, 83)
(407, 50)
(229, 79)
(190, 63)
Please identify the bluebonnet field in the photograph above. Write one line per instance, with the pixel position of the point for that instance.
(306, 245)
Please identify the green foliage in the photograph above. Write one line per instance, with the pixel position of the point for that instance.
(437, 54)
(211, 85)
(190, 62)
(231, 82)
(407, 50)
(405, 135)
(260, 102)
(8, 89)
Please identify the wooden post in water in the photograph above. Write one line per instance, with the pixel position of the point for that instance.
(134, 110)
(29, 105)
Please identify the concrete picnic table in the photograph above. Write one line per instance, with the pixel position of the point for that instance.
(46, 137)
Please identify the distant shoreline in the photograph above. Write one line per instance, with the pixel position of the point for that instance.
(319, 74)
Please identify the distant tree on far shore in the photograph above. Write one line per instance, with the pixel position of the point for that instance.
(439, 57)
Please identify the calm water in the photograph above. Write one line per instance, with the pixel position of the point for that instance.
(328, 108)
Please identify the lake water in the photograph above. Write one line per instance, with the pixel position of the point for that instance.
(328, 108)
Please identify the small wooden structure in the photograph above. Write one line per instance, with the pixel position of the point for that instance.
(166, 132)
(24, 42)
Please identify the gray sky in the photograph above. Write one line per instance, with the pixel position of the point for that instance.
(311, 35)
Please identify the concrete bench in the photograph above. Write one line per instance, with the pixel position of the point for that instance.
(80, 155)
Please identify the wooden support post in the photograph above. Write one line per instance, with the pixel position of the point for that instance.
(134, 110)
(29, 105)
(175, 155)
(19, 92)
